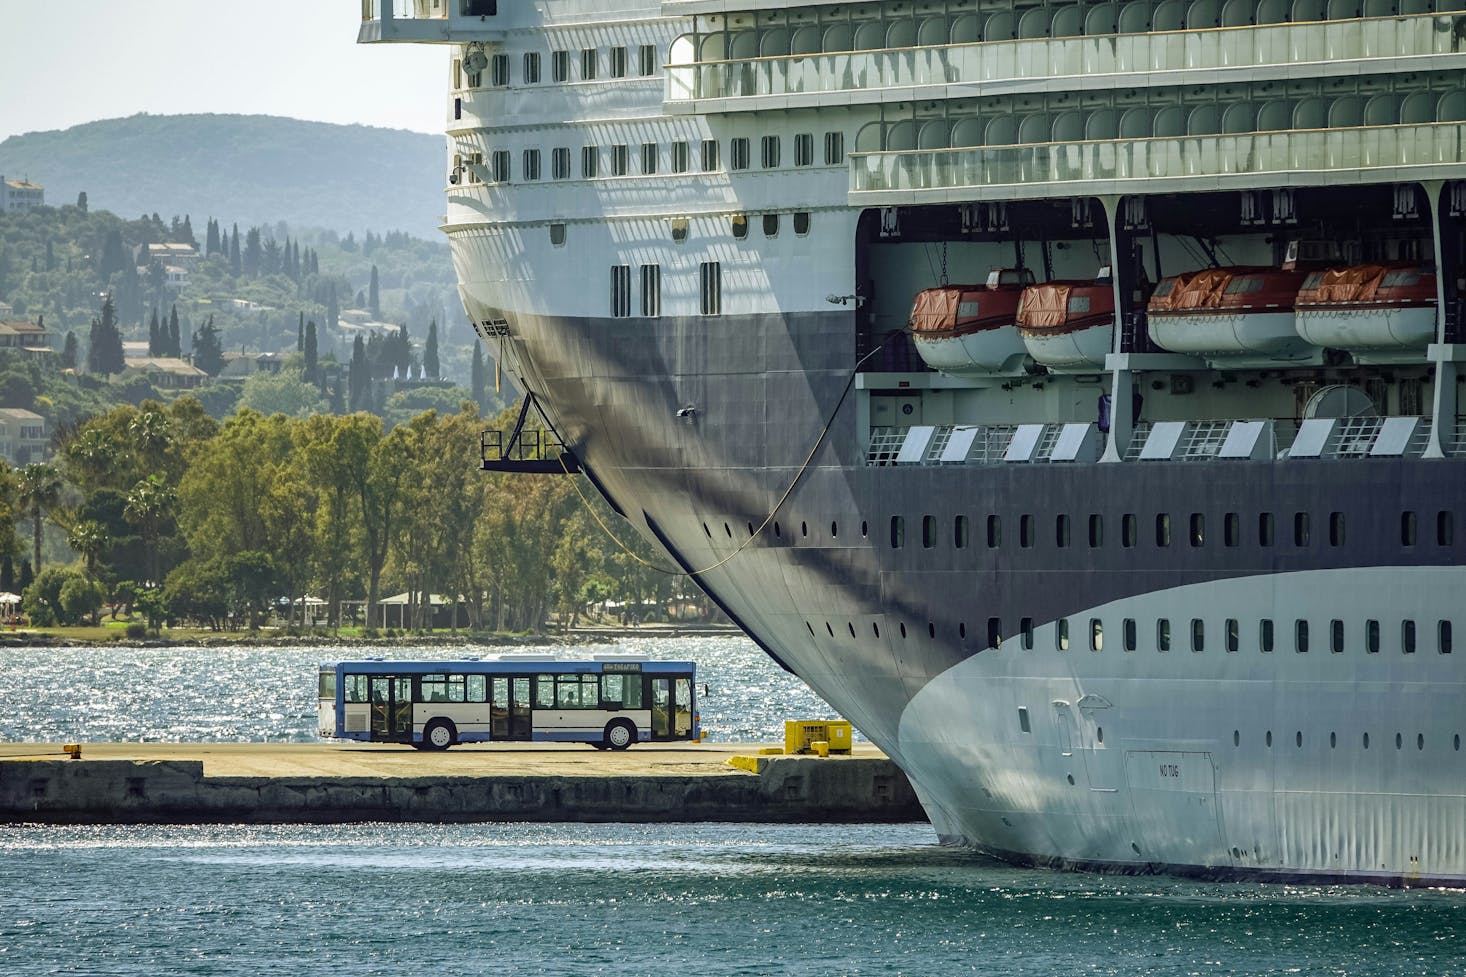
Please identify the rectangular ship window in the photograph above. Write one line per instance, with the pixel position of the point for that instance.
(1336, 636)
(1407, 637)
(560, 65)
(959, 533)
(499, 70)
(648, 158)
(681, 160)
(560, 163)
(1300, 529)
(589, 64)
(804, 149)
(709, 155)
(1336, 529)
(1163, 635)
(1128, 633)
(995, 532)
(1129, 530)
(651, 291)
(1096, 634)
(1025, 632)
(618, 62)
(531, 67)
(646, 59)
(1163, 529)
(711, 280)
(620, 291)
(1231, 529)
(1061, 530)
(1233, 634)
(590, 162)
(1198, 529)
(898, 532)
(1096, 530)
(1407, 528)
(1023, 719)
(1198, 634)
(834, 149)
(1300, 636)
(1445, 529)
(531, 164)
(995, 632)
(1264, 529)
(1025, 530)
(738, 153)
(770, 150)
(1371, 637)
(618, 159)
(501, 166)
(1265, 636)
(1061, 634)
(1443, 637)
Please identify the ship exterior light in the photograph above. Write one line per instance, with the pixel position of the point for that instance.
(859, 300)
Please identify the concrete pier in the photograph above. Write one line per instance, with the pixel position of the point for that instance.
(116, 783)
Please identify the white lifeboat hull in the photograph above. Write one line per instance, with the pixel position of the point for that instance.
(1234, 338)
(1380, 334)
(989, 352)
(1075, 351)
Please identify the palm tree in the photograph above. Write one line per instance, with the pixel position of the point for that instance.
(40, 490)
(89, 538)
(92, 455)
(149, 503)
(152, 433)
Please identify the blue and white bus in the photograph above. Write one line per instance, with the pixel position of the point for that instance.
(609, 701)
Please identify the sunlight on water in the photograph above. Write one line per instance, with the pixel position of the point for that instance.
(268, 694)
(622, 900)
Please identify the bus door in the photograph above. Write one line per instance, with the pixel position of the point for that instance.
(392, 708)
(661, 708)
(511, 718)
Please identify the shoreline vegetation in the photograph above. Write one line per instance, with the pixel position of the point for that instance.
(116, 635)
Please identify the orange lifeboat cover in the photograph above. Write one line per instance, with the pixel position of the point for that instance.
(935, 309)
(1339, 285)
(1045, 306)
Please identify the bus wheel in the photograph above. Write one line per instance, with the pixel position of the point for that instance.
(620, 734)
(438, 735)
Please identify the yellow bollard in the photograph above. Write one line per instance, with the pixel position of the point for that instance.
(820, 747)
(72, 750)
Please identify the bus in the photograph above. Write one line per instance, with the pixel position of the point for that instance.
(608, 701)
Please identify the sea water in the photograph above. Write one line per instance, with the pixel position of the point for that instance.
(262, 694)
(618, 900)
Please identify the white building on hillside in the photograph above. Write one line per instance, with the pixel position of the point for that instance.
(20, 196)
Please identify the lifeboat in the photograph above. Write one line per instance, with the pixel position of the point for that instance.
(1068, 326)
(971, 330)
(1379, 313)
(1233, 316)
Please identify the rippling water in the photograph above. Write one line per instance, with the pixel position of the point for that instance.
(618, 900)
(253, 694)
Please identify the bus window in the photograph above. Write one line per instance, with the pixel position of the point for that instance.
(567, 692)
(355, 688)
(435, 688)
(590, 692)
(612, 690)
(455, 688)
(499, 711)
(682, 714)
(544, 692)
(328, 684)
(478, 688)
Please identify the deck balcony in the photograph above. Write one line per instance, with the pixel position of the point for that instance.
(1180, 164)
(428, 21)
(811, 78)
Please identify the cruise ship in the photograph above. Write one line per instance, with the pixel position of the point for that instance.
(1069, 393)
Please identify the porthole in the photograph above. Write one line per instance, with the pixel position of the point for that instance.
(864, 530)
(1236, 737)
(834, 531)
(801, 222)
(903, 630)
(829, 629)
(1269, 738)
(1399, 741)
(1298, 739)
(706, 530)
(961, 629)
(931, 629)
(679, 229)
(778, 530)
(728, 529)
(851, 626)
(1333, 740)
(1366, 741)
(1456, 743)
(557, 235)
(1420, 741)
(771, 225)
(740, 226)
(875, 629)
(1099, 734)
(811, 628)
(804, 529)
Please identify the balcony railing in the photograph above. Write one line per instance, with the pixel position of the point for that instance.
(1366, 154)
(1391, 40)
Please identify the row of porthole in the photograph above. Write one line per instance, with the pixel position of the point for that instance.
(1232, 634)
(1196, 532)
(1334, 740)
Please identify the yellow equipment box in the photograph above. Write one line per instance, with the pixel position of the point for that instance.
(800, 736)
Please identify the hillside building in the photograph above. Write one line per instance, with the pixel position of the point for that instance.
(19, 334)
(164, 372)
(20, 196)
(23, 437)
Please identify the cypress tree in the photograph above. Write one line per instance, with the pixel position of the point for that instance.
(208, 354)
(477, 380)
(155, 343)
(338, 402)
(211, 238)
(359, 378)
(310, 351)
(68, 353)
(175, 344)
(430, 351)
(300, 333)
(375, 298)
(105, 353)
(236, 265)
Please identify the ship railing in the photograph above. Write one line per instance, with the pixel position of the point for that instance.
(527, 451)
(1389, 38)
(1361, 154)
(428, 21)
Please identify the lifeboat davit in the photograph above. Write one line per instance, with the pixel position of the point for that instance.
(1379, 313)
(1068, 326)
(1231, 316)
(971, 330)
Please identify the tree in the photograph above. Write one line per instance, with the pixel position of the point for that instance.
(360, 376)
(374, 297)
(149, 505)
(236, 262)
(430, 351)
(104, 354)
(89, 538)
(309, 348)
(39, 492)
(81, 598)
(81, 201)
(69, 351)
(287, 392)
(174, 346)
(155, 344)
(478, 384)
(208, 352)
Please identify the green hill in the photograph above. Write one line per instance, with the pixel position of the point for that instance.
(249, 169)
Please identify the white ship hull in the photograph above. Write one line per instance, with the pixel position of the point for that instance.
(992, 352)
(1076, 351)
(1379, 334)
(1233, 337)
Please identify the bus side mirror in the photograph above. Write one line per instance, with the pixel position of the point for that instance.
(705, 693)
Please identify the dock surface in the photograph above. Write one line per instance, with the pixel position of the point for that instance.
(345, 782)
